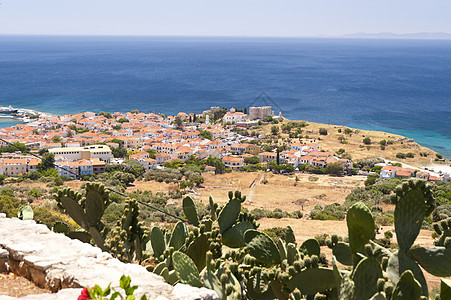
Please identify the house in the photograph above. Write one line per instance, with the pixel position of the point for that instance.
(98, 166)
(67, 168)
(267, 156)
(86, 168)
(233, 116)
(162, 157)
(244, 147)
(14, 167)
(33, 164)
(388, 172)
(233, 162)
(148, 163)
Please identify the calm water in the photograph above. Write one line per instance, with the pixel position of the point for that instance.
(400, 86)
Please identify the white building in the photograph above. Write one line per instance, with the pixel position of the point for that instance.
(101, 152)
(232, 116)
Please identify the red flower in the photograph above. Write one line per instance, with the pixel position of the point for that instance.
(84, 295)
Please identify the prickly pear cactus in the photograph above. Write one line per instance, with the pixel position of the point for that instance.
(185, 269)
(413, 202)
(128, 240)
(407, 288)
(361, 227)
(86, 211)
(189, 208)
(310, 247)
(262, 247)
(443, 229)
(365, 278)
(435, 260)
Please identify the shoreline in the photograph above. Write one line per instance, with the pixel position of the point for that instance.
(25, 113)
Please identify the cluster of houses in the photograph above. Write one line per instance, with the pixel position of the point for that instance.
(82, 143)
(389, 171)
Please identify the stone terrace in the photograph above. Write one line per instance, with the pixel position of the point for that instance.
(62, 265)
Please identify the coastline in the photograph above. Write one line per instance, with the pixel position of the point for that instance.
(24, 113)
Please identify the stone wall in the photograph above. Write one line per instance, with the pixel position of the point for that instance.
(64, 266)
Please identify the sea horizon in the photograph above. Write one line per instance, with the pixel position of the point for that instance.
(398, 86)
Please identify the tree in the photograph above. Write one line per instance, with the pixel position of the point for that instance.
(252, 160)
(206, 135)
(119, 152)
(194, 118)
(34, 192)
(178, 123)
(125, 178)
(367, 141)
(274, 130)
(400, 155)
(370, 180)
(245, 110)
(123, 120)
(323, 131)
(217, 163)
(47, 162)
(56, 139)
(335, 168)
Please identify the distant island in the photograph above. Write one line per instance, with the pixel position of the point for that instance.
(391, 35)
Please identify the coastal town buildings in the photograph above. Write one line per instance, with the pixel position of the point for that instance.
(83, 144)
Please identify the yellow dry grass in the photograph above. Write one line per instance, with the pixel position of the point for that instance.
(280, 190)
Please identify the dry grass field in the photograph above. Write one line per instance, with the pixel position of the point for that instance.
(280, 190)
(355, 146)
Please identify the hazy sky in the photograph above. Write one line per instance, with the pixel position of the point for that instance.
(219, 18)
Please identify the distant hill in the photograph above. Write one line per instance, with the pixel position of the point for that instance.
(390, 35)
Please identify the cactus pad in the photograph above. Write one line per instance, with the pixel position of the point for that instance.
(310, 247)
(229, 214)
(365, 277)
(343, 253)
(311, 281)
(435, 260)
(398, 263)
(409, 214)
(178, 236)
(197, 251)
(445, 289)
(262, 247)
(189, 208)
(361, 227)
(157, 241)
(407, 288)
(234, 236)
(186, 269)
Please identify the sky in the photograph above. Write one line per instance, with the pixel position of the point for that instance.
(223, 18)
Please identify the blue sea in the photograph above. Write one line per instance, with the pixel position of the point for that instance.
(399, 86)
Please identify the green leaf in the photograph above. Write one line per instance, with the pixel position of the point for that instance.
(125, 282)
(107, 291)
